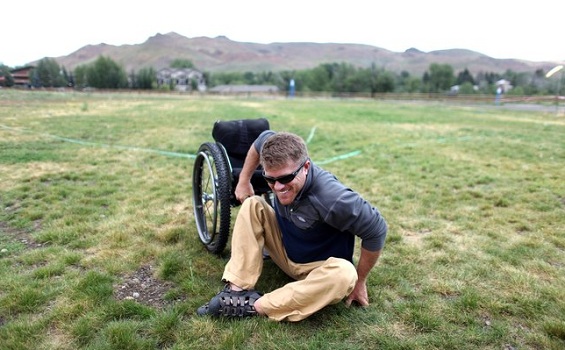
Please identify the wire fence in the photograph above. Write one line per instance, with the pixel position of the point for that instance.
(439, 97)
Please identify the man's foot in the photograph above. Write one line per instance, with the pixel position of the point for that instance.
(231, 303)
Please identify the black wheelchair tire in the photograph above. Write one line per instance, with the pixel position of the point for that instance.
(211, 188)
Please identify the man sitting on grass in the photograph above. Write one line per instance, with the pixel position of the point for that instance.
(309, 233)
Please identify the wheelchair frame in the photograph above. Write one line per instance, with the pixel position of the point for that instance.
(214, 179)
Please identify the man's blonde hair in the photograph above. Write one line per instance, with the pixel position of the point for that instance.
(282, 147)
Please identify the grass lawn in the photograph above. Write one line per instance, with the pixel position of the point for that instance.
(99, 250)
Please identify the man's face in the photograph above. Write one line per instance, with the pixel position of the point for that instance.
(287, 192)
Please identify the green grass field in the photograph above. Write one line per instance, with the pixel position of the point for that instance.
(95, 191)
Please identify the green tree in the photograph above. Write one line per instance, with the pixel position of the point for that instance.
(426, 82)
(466, 88)
(194, 84)
(48, 73)
(80, 76)
(105, 73)
(357, 80)
(249, 78)
(405, 83)
(182, 63)
(226, 78)
(318, 78)
(465, 77)
(537, 83)
(67, 77)
(373, 74)
(340, 74)
(266, 78)
(132, 79)
(517, 91)
(441, 77)
(491, 77)
(413, 84)
(146, 78)
(385, 82)
(5, 72)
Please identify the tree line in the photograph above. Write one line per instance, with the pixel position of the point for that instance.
(341, 78)
(338, 78)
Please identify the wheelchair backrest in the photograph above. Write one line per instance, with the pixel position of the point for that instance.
(237, 136)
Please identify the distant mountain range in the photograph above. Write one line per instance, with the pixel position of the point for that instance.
(221, 54)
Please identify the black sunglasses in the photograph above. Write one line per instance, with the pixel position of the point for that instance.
(285, 178)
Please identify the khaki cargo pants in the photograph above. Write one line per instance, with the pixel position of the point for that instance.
(317, 284)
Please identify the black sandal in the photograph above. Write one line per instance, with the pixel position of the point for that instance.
(229, 303)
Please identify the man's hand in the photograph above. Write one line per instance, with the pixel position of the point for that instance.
(367, 260)
(243, 190)
(358, 295)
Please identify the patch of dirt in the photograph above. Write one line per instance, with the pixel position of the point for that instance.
(22, 236)
(143, 287)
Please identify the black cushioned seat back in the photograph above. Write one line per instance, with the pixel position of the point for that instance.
(237, 136)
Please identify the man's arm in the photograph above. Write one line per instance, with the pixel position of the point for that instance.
(244, 189)
(367, 261)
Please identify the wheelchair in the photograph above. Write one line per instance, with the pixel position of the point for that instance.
(215, 175)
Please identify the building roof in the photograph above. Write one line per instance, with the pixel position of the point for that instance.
(244, 88)
(21, 69)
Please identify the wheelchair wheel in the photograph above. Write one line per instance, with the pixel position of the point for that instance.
(211, 188)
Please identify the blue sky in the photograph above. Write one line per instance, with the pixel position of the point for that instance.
(501, 29)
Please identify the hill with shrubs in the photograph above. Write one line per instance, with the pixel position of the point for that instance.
(221, 54)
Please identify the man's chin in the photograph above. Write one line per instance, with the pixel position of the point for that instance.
(285, 198)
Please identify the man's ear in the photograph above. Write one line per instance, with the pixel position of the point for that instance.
(307, 165)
